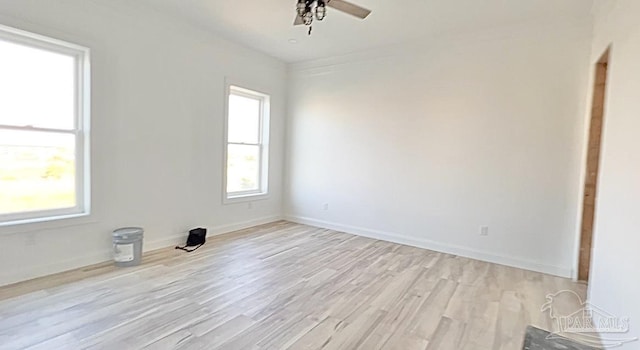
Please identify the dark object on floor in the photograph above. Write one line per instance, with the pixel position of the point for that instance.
(536, 339)
(196, 239)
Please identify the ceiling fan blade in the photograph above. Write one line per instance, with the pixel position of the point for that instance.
(298, 21)
(349, 8)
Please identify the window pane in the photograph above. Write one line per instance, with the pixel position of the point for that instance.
(37, 87)
(243, 168)
(244, 119)
(37, 171)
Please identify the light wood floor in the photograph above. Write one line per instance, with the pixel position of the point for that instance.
(282, 286)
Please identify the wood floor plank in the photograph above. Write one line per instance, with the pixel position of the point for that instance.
(448, 336)
(427, 318)
(219, 335)
(282, 286)
(319, 335)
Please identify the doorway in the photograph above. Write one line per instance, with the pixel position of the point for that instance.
(593, 165)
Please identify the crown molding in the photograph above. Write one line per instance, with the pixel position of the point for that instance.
(569, 27)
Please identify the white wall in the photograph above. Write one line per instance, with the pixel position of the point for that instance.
(157, 131)
(614, 285)
(424, 144)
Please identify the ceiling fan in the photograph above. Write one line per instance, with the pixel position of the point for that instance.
(307, 10)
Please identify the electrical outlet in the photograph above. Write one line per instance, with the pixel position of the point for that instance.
(484, 231)
(325, 206)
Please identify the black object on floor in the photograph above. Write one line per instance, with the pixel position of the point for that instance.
(537, 339)
(196, 239)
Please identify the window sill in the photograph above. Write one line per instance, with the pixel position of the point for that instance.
(245, 198)
(45, 223)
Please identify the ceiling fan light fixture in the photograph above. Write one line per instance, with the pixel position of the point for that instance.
(321, 12)
(308, 18)
(301, 8)
(308, 10)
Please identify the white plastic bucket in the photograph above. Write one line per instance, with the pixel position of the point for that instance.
(127, 246)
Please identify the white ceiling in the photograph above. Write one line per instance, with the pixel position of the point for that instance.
(267, 25)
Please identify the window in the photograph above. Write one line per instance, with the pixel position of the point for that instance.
(44, 112)
(247, 134)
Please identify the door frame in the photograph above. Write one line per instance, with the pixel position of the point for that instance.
(605, 57)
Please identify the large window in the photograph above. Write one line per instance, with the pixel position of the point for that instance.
(44, 111)
(247, 135)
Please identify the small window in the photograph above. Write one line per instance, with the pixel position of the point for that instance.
(44, 111)
(247, 135)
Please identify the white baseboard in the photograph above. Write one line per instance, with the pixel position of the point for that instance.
(52, 268)
(105, 254)
(220, 230)
(435, 246)
(212, 230)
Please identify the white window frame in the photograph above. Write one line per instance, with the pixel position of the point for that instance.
(263, 178)
(81, 129)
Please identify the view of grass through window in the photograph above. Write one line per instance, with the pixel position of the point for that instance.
(36, 175)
